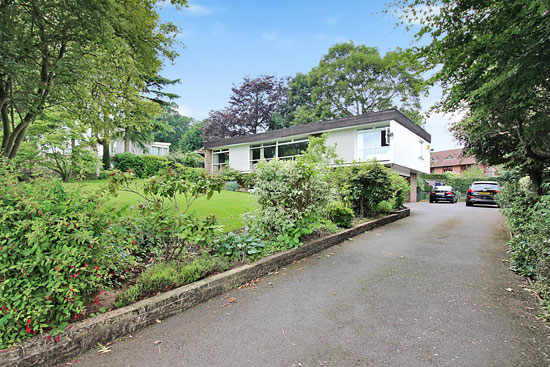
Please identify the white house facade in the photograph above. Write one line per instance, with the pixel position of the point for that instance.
(154, 148)
(388, 136)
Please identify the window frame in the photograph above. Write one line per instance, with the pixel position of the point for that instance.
(387, 135)
(252, 163)
(216, 166)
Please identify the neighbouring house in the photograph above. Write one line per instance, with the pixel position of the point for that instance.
(154, 148)
(453, 160)
(388, 136)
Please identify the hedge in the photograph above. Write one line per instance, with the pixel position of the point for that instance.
(143, 165)
(459, 183)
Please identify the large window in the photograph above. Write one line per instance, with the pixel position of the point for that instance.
(373, 142)
(220, 159)
(155, 150)
(288, 149)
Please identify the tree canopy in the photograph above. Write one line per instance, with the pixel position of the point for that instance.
(255, 106)
(354, 79)
(53, 51)
(491, 59)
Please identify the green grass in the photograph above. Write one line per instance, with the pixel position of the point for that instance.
(226, 205)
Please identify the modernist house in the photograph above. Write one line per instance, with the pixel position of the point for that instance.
(453, 160)
(389, 136)
(154, 148)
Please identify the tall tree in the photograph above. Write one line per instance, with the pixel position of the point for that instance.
(354, 79)
(44, 45)
(491, 59)
(256, 105)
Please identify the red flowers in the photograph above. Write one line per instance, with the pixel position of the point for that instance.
(47, 298)
(57, 268)
(39, 213)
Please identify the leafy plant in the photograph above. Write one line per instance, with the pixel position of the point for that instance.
(163, 221)
(240, 246)
(57, 249)
(341, 214)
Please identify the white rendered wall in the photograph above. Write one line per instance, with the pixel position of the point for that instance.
(345, 143)
(406, 149)
(239, 157)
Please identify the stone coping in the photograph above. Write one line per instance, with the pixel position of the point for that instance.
(86, 334)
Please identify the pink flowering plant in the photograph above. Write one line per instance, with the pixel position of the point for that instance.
(57, 249)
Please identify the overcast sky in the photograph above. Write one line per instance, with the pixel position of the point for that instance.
(225, 41)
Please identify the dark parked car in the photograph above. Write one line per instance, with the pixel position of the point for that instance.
(443, 193)
(483, 192)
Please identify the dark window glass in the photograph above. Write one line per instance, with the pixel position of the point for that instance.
(384, 139)
(269, 152)
(256, 153)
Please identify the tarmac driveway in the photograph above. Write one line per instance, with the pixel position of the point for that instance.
(429, 290)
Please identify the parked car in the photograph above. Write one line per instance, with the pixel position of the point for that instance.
(443, 193)
(483, 192)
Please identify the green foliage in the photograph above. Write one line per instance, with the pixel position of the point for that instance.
(57, 248)
(240, 246)
(161, 220)
(354, 79)
(490, 59)
(142, 165)
(168, 275)
(189, 159)
(292, 196)
(384, 206)
(364, 185)
(459, 183)
(400, 188)
(341, 214)
(529, 221)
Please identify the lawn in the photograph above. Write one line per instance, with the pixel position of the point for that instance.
(226, 205)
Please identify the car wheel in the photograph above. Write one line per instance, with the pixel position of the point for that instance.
(468, 203)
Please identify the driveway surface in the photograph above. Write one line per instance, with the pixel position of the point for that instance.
(428, 290)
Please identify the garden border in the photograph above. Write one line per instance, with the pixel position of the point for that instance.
(85, 335)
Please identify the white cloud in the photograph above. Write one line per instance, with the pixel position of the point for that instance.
(437, 124)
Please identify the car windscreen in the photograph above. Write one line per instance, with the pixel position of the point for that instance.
(485, 186)
(443, 188)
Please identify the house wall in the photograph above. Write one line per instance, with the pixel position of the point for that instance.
(345, 143)
(239, 157)
(406, 149)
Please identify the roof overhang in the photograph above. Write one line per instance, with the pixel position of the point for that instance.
(323, 126)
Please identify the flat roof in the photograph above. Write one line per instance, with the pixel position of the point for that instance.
(366, 119)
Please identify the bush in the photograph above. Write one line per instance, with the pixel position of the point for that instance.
(364, 185)
(529, 221)
(142, 165)
(57, 248)
(189, 159)
(168, 275)
(384, 206)
(341, 214)
(231, 186)
(400, 189)
(292, 196)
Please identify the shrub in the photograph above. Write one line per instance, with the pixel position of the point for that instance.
(240, 246)
(152, 164)
(341, 214)
(292, 196)
(400, 189)
(529, 221)
(161, 221)
(231, 186)
(364, 185)
(57, 248)
(189, 159)
(384, 206)
(143, 166)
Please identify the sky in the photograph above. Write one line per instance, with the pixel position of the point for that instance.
(221, 42)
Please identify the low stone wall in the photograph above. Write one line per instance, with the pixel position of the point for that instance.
(84, 335)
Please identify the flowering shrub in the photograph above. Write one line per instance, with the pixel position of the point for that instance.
(57, 248)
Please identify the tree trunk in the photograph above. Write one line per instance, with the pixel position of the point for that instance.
(106, 155)
(126, 139)
(536, 179)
